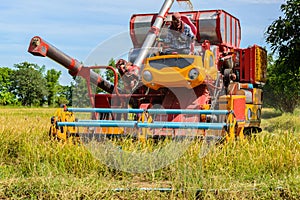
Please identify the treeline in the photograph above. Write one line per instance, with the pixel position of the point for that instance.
(31, 85)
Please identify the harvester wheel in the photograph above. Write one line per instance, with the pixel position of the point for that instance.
(251, 131)
(52, 133)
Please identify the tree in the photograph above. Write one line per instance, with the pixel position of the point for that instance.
(6, 97)
(29, 85)
(281, 91)
(80, 97)
(65, 94)
(52, 78)
(109, 74)
(284, 74)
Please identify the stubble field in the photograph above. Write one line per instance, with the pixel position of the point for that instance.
(266, 166)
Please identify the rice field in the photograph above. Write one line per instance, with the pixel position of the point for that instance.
(265, 166)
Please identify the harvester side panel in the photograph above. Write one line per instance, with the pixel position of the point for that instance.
(236, 103)
(253, 65)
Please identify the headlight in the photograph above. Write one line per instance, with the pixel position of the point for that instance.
(249, 114)
(147, 75)
(193, 74)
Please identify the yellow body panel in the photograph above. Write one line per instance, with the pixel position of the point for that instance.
(260, 64)
(209, 65)
(64, 132)
(253, 115)
(257, 96)
(175, 76)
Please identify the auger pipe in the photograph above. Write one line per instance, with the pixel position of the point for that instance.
(135, 124)
(150, 111)
(40, 47)
(153, 32)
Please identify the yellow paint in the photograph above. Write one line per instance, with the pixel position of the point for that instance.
(173, 76)
(144, 118)
(257, 96)
(260, 64)
(63, 132)
(253, 120)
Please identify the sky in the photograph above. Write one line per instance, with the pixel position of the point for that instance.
(87, 29)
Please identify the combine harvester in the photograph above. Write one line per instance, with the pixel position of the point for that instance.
(213, 91)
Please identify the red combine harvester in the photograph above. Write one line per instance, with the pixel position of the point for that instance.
(214, 90)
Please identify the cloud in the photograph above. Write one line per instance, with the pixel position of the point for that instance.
(261, 1)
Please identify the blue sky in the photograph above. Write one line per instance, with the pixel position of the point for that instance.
(79, 27)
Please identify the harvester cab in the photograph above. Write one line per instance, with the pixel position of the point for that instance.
(213, 90)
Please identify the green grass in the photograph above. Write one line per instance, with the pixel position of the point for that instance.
(266, 166)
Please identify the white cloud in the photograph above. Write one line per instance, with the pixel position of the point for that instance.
(262, 1)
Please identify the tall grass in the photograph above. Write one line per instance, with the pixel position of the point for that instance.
(267, 166)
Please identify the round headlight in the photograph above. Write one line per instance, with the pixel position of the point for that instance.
(193, 74)
(249, 113)
(258, 114)
(147, 75)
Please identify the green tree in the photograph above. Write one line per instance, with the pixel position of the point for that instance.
(284, 73)
(29, 85)
(80, 97)
(79, 90)
(109, 74)
(281, 91)
(52, 78)
(6, 97)
(65, 94)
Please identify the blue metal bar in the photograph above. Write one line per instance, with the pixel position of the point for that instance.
(160, 124)
(133, 124)
(183, 125)
(109, 121)
(130, 124)
(151, 111)
(106, 110)
(181, 111)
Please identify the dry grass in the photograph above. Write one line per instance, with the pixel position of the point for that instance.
(265, 167)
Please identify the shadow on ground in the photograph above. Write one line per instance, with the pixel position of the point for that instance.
(270, 113)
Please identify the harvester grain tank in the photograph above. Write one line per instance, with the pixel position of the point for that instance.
(213, 91)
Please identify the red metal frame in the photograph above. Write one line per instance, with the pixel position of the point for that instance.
(195, 19)
(247, 64)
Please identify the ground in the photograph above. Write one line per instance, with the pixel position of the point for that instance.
(265, 166)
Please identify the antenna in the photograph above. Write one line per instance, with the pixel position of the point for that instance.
(185, 4)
